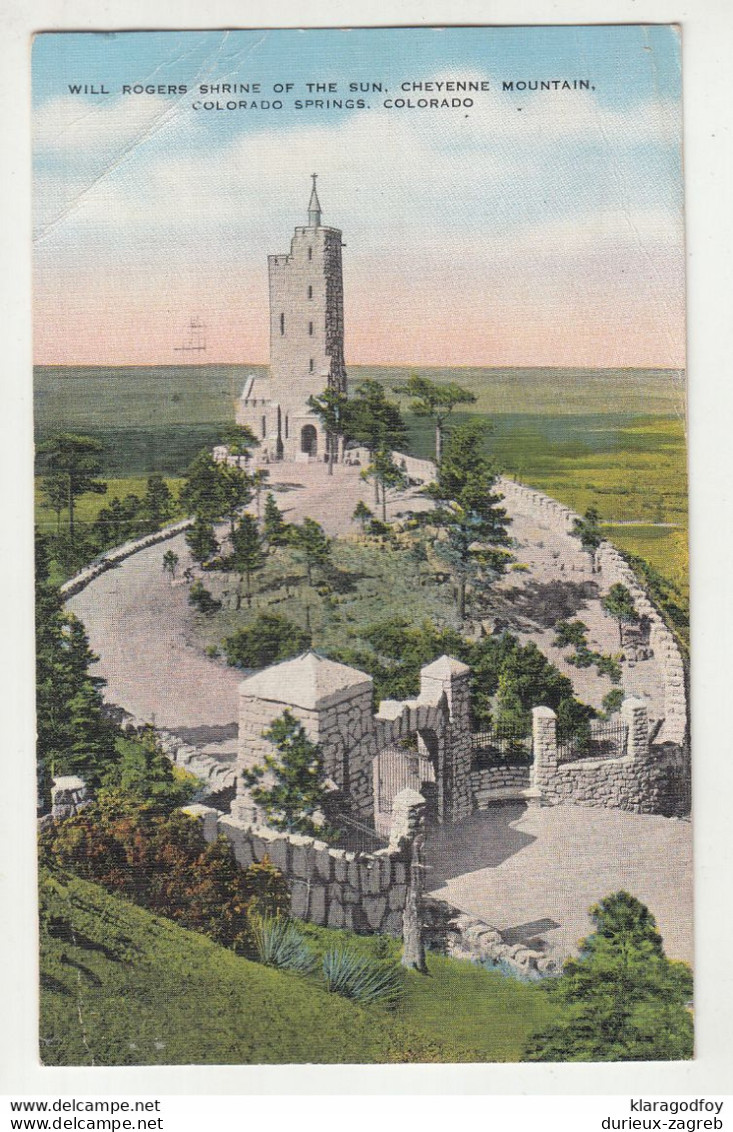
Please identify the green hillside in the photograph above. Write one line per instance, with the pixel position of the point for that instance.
(120, 986)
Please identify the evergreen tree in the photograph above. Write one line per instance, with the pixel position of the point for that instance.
(313, 544)
(435, 400)
(247, 553)
(374, 421)
(330, 407)
(468, 512)
(73, 735)
(588, 530)
(158, 507)
(170, 562)
(621, 999)
(295, 769)
(73, 464)
(274, 526)
(386, 476)
(201, 540)
(362, 514)
(619, 603)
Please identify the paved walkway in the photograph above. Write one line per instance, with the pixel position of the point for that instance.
(138, 623)
(534, 872)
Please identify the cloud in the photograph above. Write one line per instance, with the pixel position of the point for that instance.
(560, 210)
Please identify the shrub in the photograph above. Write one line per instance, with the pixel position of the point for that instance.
(361, 978)
(570, 633)
(612, 700)
(607, 666)
(278, 943)
(164, 864)
(268, 639)
(200, 598)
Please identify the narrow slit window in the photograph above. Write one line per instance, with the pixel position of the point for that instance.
(310, 252)
(264, 427)
(286, 427)
(310, 367)
(310, 291)
(282, 323)
(310, 329)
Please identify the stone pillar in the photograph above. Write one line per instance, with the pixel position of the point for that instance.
(452, 678)
(544, 747)
(406, 839)
(408, 819)
(634, 715)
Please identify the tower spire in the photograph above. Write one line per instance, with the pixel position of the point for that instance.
(314, 207)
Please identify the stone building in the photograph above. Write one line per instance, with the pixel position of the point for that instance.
(306, 344)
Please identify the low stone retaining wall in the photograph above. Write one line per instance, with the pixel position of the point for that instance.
(485, 784)
(118, 554)
(615, 569)
(362, 892)
(468, 937)
(646, 780)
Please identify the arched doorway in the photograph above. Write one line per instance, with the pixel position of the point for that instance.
(309, 440)
(408, 763)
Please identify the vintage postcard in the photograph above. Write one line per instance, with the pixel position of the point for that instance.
(361, 560)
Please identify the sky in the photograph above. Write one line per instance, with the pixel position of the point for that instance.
(529, 228)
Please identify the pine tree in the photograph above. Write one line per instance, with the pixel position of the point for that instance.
(621, 999)
(435, 400)
(297, 789)
(274, 526)
(73, 464)
(313, 544)
(247, 552)
(619, 603)
(468, 512)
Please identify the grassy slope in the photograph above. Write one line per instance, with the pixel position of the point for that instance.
(123, 987)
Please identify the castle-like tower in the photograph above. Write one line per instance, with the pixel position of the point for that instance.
(306, 343)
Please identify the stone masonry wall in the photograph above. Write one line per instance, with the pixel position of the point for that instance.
(492, 783)
(113, 557)
(646, 780)
(615, 568)
(358, 891)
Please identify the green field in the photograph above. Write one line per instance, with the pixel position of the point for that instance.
(120, 986)
(613, 439)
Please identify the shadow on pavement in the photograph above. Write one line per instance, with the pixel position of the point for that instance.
(482, 841)
(528, 933)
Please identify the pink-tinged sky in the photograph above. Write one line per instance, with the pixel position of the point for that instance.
(552, 236)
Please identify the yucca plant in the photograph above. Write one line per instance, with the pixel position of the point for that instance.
(278, 943)
(361, 978)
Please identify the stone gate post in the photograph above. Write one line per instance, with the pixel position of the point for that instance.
(635, 715)
(453, 678)
(544, 748)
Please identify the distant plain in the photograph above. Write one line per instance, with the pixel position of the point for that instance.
(612, 439)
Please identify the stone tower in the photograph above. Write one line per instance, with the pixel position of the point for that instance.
(306, 343)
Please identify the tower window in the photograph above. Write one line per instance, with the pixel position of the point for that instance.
(282, 323)
(310, 252)
(310, 367)
(310, 291)
(264, 427)
(286, 426)
(310, 328)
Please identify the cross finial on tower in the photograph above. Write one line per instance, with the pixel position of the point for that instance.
(314, 207)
